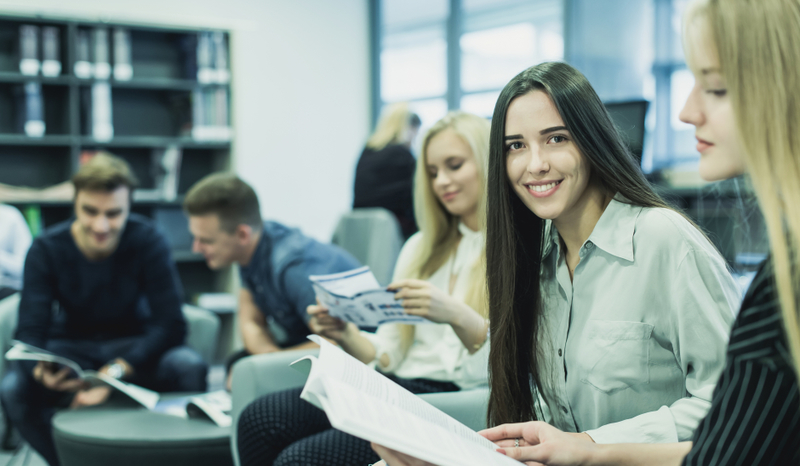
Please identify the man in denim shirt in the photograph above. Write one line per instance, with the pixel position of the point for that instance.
(275, 261)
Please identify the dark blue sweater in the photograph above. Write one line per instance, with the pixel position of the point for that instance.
(135, 292)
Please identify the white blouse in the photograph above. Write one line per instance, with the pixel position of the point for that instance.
(636, 341)
(437, 353)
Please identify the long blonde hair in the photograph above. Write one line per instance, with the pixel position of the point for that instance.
(758, 44)
(393, 126)
(438, 227)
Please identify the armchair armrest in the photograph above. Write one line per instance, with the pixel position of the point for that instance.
(256, 376)
(467, 406)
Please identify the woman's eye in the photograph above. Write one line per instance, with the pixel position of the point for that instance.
(717, 92)
(557, 139)
(456, 166)
(513, 146)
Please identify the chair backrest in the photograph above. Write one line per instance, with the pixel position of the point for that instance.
(202, 331)
(8, 324)
(373, 237)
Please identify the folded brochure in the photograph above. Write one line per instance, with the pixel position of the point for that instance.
(356, 296)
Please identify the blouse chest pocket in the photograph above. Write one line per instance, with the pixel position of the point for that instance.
(616, 355)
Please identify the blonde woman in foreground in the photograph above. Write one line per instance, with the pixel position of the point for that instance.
(745, 55)
(439, 276)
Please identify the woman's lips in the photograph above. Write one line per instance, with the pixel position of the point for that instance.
(543, 190)
(449, 196)
(703, 145)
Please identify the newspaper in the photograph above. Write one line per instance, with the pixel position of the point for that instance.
(356, 296)
(365, 404)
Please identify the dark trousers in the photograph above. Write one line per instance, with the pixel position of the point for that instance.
(30, 406)
(281, 429)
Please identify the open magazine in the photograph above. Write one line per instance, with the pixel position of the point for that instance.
(25, 352)
(356, 296)
(215, 406)
(365, 404)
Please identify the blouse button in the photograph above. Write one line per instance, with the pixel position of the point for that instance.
(559, 352)
(564, 409)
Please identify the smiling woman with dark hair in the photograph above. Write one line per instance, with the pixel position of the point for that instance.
(609, 310)
(612, 319)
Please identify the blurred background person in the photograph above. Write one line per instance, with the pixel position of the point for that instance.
(385, 170)
(15, 240)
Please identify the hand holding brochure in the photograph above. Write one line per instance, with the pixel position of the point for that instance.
(355, 296)
(364, 403)
(25, 352)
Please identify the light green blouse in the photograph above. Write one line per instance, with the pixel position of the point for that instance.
(636, 342)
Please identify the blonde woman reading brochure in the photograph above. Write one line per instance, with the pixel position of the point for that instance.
(440, 276)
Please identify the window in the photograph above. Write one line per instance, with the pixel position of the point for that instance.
(442, 55)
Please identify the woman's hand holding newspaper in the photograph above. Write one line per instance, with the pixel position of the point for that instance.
(328, 326)
(420, 298)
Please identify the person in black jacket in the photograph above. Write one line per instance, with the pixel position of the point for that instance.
(101, 290)
(385, 170)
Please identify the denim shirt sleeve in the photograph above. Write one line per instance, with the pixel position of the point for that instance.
(298, 289)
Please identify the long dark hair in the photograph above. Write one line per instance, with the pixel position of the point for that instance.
(515, 235)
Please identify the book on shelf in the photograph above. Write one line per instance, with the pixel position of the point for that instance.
(102, 62)
(222, 121)
(221, 73)
(29, 62)
(165, 167)
(61, 192)
(206, 73)
(363, 403)
(83, 55)
(102, 126)
(123, 69)
(30, 110)
(51, 51)
(210, 120)
(33, 217)
(356, 296)
(24, 352)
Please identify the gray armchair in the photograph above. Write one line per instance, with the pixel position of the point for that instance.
(256, 376)
(373, 237)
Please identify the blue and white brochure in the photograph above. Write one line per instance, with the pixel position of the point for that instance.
(356, 296)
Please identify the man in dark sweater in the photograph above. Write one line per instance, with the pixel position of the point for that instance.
(275, 261)
(99, 289)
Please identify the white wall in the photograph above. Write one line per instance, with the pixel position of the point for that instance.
(301, 91)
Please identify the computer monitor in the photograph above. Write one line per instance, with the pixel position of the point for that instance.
(629, 118)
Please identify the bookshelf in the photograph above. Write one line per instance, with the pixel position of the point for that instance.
(176, 83)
